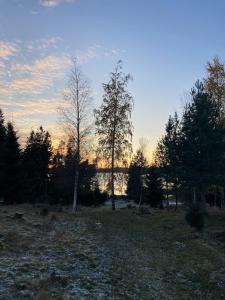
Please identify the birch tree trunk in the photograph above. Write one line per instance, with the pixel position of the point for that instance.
(112, 171)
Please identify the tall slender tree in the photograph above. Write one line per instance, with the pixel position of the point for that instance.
(113, 123)
(77, 115)
(167, 155)
(12, 157)
(2, 160)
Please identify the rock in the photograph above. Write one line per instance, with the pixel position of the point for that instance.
(44, 211)
(53, 218)
(218, 278)
(42, 296)
(143, 211)
(219, 235)
(130, 206)
(168, 226)
(18, 215)
(60, 209)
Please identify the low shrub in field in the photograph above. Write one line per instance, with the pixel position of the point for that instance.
(195, 217)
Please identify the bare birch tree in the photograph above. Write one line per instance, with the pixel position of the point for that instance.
(113, 123)
(77, 115)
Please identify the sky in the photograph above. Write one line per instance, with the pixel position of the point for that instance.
(164, 44)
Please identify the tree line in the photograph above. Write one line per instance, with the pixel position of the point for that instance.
(189, 160)
(190, 156)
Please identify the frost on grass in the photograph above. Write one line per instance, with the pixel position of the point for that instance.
(103, 255)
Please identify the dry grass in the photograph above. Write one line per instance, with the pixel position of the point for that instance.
(110, 255)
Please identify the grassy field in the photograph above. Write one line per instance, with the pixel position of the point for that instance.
(109, 255)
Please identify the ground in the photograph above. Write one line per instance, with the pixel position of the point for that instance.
(99, 254)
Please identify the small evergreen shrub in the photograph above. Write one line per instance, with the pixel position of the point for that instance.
(195, 218)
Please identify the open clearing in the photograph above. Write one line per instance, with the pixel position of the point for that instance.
(109, 255)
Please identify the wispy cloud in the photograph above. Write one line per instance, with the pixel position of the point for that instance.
(36, 77)
(54, 3)
(7, 49)
(97, 51)
(32, 78)
(44, 44)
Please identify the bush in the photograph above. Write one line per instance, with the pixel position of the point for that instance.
(92, 198)
(195, 218)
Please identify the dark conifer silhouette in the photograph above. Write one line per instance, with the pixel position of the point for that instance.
(36, 160)
(2, 161)
(135, 176)
(153, 193)
(12, 166)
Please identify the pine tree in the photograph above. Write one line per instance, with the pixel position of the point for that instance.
(135, 174)
(12, 157)
(36, 161)
(202, 144)
(167, 155)
(153, 194)
(2, 151)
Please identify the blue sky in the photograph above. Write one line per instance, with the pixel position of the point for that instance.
(164, 44)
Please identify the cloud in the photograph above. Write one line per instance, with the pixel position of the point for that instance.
(38, 76)
(54, 3)
(7, 49)
(32, 76)
(97, 51)
(44, 44)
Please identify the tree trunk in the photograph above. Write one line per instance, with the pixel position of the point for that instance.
(176, 198)
(78, 153)
(194, 196)
(140, 199)
(112, 181)
(167, 196)
(202, 200)
(113, 166)
(75, 188)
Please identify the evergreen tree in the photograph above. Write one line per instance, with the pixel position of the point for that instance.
(36, 160)
(202, 144)
(167, 155)
(153, 194)
(12, 157)
(135, 174)
(2, 151)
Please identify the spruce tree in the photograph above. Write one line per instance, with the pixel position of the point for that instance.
(202, 144)
(12, 157)
(167, 155)
(36, 160)
(135, 174)
(2, 160)
(154, 193)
